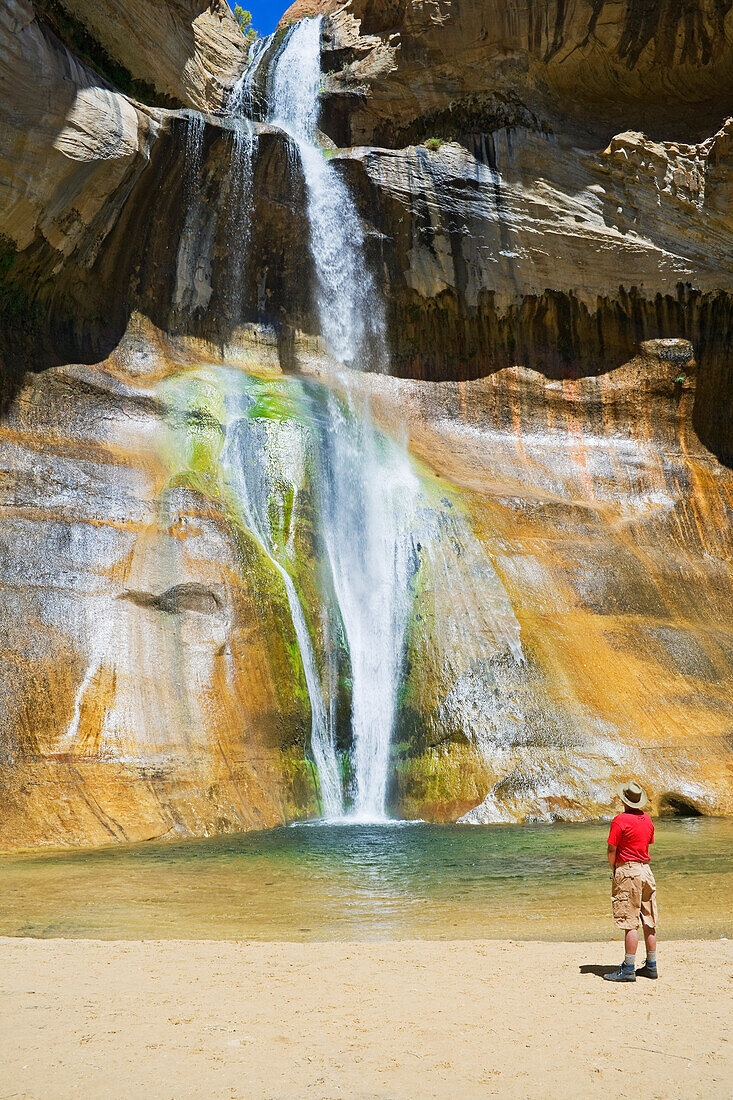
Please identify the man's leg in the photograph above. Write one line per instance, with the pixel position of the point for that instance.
(626, 903)
(627, 971)
(649, 969)
(649, 924)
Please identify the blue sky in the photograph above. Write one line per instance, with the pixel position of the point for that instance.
(265, 13)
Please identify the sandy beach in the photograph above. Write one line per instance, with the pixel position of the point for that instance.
(403, 1019)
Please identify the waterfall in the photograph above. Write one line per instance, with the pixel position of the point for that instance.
(367, 517)
(244, 149)
(364, 513)
(367, 513)
(368, 487)
(241, 109)
(195, 126)
(349, 305)
(193, 277)
(245, 462)
(242, 99)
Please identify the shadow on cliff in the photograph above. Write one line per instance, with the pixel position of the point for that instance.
(172, 234)
(557, 335)
(174, 256)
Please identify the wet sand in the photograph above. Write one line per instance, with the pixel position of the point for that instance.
(409, 1019)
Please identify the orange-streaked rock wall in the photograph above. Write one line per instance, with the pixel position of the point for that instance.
(610, 527)
(146, 683)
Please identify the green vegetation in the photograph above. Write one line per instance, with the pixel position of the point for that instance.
(445, 778)
(299, 786)
(273, 401)
(433, 144)
(244, 18)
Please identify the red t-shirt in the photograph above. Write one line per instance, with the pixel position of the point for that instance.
(632, 832)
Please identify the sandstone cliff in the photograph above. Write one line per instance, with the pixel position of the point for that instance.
(71, 148)
(188, 52)
(546, 193)
(550, 208)
(528, 229)
(151, 683)
(410, 68)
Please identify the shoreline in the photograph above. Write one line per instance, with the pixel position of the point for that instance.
(166, 839)
(401, 1019)
(367, 885)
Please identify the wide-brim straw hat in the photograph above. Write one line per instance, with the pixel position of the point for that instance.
(632, 795)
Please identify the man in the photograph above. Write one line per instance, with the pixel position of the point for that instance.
(634, 891)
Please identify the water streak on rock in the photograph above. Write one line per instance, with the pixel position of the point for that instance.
(252, 471)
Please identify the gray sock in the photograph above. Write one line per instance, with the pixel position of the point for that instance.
(651, 958)
(630, 962)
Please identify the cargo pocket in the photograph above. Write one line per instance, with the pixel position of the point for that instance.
(621, 904)
(621, 882)
(621, 901)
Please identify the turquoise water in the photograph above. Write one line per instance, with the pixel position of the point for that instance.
(397, 881)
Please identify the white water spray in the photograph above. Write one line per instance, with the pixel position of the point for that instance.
(244, 150)
(195, 127)
(243, 96)
(368, 487)
(241, 109)
(350, 308)
(367, 515)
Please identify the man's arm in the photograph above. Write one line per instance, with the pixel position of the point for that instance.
(612, 856)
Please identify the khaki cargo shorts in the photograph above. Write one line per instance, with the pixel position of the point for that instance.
(634, 895)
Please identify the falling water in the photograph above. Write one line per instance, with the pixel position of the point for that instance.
(364, 492)
(244, 149)
(368, 511)
(243, 97)
(368, 488)
(247, 461)
(367, 515)
(241, 109)
(195, 126)
(192, 276)
(350, 308)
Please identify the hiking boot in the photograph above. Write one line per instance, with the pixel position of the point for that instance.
(648, 970)
(621, 975)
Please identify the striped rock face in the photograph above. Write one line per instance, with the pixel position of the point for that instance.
(152, 681)
(609, 525)
(151, 678)
(471, 239)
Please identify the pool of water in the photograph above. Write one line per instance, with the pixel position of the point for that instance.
(369, 882)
